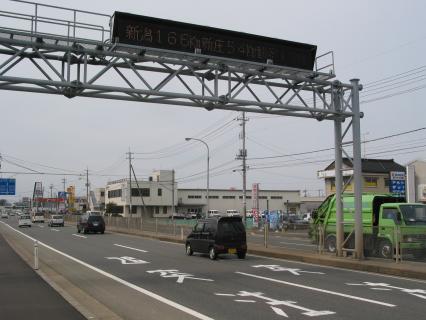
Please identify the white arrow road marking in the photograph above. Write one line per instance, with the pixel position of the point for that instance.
(174, 273)
(127, 260)
(77, 235)
(420, 293)
(294, 271)
(119, 245)
(146, 292)
(279, 312)
(318, 290)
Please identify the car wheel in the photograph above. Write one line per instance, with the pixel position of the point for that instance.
(212, 253)
(241, 255)
(330, 243)
(189, 251)
(385, 249)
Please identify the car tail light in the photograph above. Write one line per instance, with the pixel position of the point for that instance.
(220, 247)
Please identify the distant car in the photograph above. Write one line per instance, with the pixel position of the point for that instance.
(216, 236)
(4, 215)
(24, 220)
(177, 215)
(91, 223)
(56, 220)
(38, 217)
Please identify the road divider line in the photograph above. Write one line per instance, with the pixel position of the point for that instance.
(344, 295)
(148, 293)
(77, 235)
(299, 244)
(119, 245)
(55, 230)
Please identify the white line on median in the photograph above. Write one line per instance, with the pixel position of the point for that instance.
(299, 244)
(119, 245)
(77, 235)
(119, 280)
(318, 289)
(54, 229)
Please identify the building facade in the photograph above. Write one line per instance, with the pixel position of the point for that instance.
(375, 175)
(159, 196)
(416, 181)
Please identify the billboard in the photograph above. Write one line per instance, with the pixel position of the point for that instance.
(7, 187)
(157, 33)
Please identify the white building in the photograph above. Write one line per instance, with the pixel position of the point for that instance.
(416, 181)
(159, 197)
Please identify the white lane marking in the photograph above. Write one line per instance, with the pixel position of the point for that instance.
(280, 312)
(318, 289)
(54, 229)
(80, 236)
(299, 244)
(119, 280)
(339, 268)
(40, 226)
(249, 301)
(119, 245)
(127, 260)
(225, 294)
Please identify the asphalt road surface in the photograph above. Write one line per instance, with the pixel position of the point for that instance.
(229, 288)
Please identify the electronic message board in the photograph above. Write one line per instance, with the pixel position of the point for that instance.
(184, 37)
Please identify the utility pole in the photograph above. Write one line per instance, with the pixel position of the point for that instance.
(173, 193)
(242, 155)
(51, 196)
(65, 199)
(87, 189)
(130, 181)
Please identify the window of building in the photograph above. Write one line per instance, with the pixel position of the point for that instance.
(247, 197)
(228, 197)
(160, 192)
(114, 193)
(370, 182)
(191, 196)
(263, 197)
(276, 197)
(134, 209)
(102, 193)
(157, 210)
(164, 209)
(213, 197)
(144, 191)
(387, 182)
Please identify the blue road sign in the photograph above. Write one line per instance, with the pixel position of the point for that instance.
(62, 194)
(397, 186)
(7, 187)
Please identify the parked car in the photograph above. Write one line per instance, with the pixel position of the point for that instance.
(38, 217)
(24, 220)
(4, 215)
(217, 236)
(56, 220)
(91, 223)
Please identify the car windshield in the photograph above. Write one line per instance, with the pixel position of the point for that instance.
(24, 217)
(57, 217)
(414, 214)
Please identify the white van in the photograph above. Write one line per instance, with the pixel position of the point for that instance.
(232, 213)
(213, 213)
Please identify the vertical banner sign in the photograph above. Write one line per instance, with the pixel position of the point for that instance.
(255, 204)
(397, 182)
(7, 187)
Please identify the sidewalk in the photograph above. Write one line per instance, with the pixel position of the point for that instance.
(24, 295)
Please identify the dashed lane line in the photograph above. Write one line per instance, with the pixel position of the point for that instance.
(80, 236)
(140, 250)
(146, 292)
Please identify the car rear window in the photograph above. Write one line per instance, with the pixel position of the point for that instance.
(95, 218)
(56, 217)
(231, 226)
(25, 217)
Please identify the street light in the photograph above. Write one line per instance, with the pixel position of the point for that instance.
(208, 171)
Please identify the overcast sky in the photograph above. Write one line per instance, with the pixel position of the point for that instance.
(371, 40)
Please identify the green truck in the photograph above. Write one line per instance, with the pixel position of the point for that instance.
(385, 219)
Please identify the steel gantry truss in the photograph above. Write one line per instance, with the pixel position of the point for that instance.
(67, 62)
